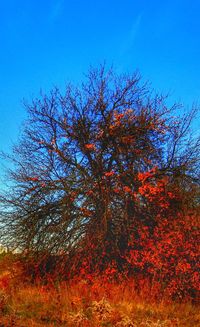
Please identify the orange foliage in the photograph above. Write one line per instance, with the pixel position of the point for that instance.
(90, 147)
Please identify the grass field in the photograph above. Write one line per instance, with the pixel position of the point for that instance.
(88, 304)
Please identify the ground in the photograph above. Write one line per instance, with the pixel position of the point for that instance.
(93, 304)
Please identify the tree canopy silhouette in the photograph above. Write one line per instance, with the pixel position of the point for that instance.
(97, 161)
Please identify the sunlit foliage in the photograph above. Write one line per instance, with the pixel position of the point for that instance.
(106, 181)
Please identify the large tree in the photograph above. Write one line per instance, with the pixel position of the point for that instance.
(94, 162)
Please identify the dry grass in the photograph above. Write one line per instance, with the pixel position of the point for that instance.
(81, 304)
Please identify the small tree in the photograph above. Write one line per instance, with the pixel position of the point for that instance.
(95, 162)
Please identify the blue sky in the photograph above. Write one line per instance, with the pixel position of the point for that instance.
(49, 42)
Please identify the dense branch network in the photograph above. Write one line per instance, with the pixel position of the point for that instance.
(94, 162)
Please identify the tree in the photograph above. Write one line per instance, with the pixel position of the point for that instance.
(95, 162)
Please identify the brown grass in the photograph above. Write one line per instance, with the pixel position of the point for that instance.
(86, 304)
(82, 304)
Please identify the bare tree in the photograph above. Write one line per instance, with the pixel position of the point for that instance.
(76, 166)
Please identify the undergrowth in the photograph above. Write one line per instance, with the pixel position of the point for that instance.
(86, 302)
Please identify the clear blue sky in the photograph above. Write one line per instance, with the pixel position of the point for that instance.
(49, 42)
